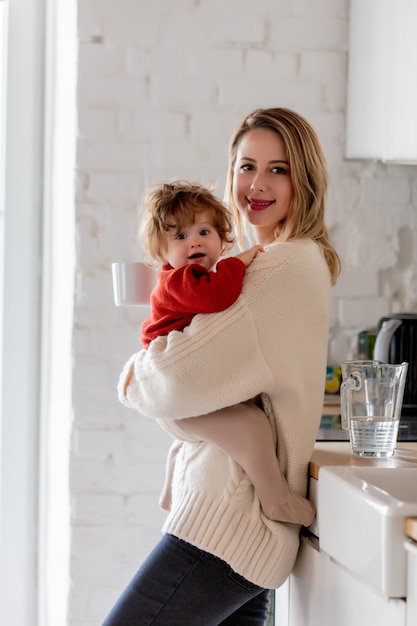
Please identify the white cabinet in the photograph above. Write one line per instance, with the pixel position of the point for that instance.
(382, 88)
(319, 592)
(411, 547)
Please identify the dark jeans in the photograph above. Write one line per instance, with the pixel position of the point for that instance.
(180, 585)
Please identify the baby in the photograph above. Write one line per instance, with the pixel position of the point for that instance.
(186, 229)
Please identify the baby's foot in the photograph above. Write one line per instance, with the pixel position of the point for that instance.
(297, 510)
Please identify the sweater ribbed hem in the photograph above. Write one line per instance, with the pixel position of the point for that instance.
(260, 550)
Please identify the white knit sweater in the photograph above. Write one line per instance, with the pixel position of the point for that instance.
(272, 341)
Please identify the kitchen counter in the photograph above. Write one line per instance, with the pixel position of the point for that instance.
(338, 453)
(357, 562)
(411, 528)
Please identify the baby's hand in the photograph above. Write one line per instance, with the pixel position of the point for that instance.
(248, 255)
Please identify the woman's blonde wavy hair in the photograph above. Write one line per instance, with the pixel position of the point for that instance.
(309, 176)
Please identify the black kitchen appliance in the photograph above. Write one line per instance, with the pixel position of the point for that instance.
(396, 342)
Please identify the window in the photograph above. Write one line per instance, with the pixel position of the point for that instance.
(3, 58)
(22, 99)
(37, 258)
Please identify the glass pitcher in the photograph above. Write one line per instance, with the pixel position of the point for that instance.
(371, 402)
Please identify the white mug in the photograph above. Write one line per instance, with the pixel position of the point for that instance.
(132, 283)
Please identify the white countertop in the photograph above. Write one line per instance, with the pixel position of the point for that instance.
(336, 453)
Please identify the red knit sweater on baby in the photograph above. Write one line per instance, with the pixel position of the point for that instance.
(182, 293)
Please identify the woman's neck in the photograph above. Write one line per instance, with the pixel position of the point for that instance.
(265, 236)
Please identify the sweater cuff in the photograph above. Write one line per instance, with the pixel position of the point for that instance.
(124, 381)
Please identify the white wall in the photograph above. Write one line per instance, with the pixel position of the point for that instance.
(161, 86)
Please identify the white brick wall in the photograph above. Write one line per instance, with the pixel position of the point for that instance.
(161, 86)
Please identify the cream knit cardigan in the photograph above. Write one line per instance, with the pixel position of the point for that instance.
(272, 341)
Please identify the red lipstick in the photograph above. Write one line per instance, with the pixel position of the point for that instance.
(259, 205)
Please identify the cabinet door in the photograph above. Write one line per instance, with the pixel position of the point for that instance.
(411, 547)
(321, 593)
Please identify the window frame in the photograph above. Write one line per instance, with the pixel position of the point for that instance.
(21, 304)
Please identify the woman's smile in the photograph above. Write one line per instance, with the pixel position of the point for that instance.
(259, 205)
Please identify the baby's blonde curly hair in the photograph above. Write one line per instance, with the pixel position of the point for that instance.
(171, 206)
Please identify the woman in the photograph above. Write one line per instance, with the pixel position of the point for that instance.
(219, 555)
